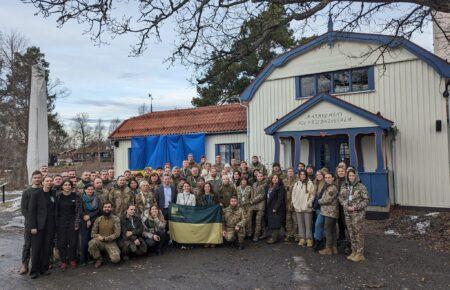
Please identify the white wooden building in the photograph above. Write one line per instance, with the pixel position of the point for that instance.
(331, 100)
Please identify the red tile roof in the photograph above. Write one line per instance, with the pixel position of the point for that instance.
(210, 119)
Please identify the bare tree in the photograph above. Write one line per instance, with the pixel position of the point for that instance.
(207, 28)
(113, 125)
(82, 131)
(99, 136)
(143, 109)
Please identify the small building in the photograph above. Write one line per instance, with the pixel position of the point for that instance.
(336, 99)
(94, 152)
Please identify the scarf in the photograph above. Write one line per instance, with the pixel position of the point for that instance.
(91, 202)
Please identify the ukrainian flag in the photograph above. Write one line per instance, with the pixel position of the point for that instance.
(195, 225)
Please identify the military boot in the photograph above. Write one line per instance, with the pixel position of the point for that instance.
(334, 250)
(23, 269)
(98, 263)
(255, 238)
(358, 258)
(351, 256)
(274, 238)
(326, 251)
(309, 243)
(301, 242)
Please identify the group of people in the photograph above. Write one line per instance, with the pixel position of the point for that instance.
(82, 218)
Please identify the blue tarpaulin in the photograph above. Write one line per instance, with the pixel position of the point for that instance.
(154, 151)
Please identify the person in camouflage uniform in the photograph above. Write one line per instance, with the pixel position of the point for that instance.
(234, 223)
(226, 191)
(144, 199)
(106, 183)
(175, 177)
(257, 206)
(244, 192)
(218, 165)
(354, 198)
(276, 170)
(291, 219)
(154, 182)
(85, 179)
(132, 241)
(190, 159)
(105, 232)
(257, 165)
(199, 191)
(329, 209)
(101, 192)
(192, 179)
(214, 179)
(120, 197)
(185, 169)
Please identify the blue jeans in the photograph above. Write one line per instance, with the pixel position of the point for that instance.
(318, 226)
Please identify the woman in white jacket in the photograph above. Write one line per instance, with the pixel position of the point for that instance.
(302, 199)
(186, 197)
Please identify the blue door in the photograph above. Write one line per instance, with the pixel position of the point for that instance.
(329, 151)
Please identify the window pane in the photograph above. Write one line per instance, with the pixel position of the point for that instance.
(360, 79)
(308, 86)
(324, 155)
(341, 82)
(224, 151)
(344, 152)
(324, 83)
(236, 152)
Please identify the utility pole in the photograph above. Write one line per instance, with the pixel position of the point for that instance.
(151, 102)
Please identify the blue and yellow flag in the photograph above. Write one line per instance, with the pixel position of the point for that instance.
(195, 225)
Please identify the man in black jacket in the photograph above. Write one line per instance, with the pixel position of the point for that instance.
(36, 184)
(132, 241)
(165, 195)
(42, 228)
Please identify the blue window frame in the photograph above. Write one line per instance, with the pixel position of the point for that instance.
(230, 151)
(335, 82)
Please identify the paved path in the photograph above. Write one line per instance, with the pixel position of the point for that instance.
(392, 264)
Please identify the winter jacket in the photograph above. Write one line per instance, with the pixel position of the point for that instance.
(329, 202)
(226, 191)
(257, 197)
(186, 198)
(354, 195)
(289, 185)
(303, 196)
(120, 198)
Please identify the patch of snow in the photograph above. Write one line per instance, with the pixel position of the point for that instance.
(14, 206)
(422, 227)
(412, 217)
(391, 233)
(433, 214)
(14, 192)
(16, 222)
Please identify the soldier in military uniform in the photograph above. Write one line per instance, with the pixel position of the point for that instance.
(291, 219)
(192, 179)
(258, 165)
(85, 179)
(185, 169)
(234, 223)
(226, 191)
(257, 206)
(244, 192)
(105, 232)
(276, 170)
(354, 198)
(101, 192)
(132, 241)
(107, 184)
(120, 196)
(218, 165)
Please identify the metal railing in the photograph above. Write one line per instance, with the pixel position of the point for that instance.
(3, 191)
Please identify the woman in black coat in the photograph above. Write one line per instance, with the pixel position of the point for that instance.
(275, 207)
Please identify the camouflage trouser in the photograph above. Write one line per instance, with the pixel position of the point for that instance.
(355, 223)
(129, 247)
(291, 224)
(231, 235)
(258, 222)
(111, 248)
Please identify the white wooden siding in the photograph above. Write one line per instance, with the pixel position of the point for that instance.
(212, 140)
(408, 92)
(121, 156)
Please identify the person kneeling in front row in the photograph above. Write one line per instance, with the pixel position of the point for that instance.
(105, 232)
(132, 241)
(234, 223)
(155, 234)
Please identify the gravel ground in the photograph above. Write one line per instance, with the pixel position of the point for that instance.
(402, 261)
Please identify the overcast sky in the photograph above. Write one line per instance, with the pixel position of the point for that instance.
(104, 81)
